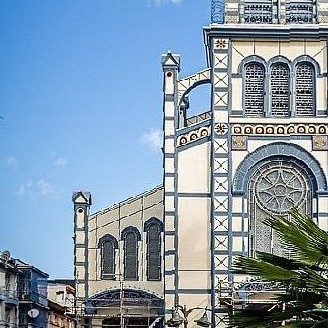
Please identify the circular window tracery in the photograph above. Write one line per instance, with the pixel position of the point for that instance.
(280, 186)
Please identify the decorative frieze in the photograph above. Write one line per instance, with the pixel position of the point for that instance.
(279, 129)
(193, 135)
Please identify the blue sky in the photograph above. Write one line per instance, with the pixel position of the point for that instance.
(81, 101)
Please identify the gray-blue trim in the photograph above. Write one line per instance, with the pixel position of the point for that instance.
(169, 213)
(169, 175)
(108, 238)
(169, 97)
(289, 151)
(131, 229)
(152, 221)
(170, 252)
(277, 32)
(169, 233)
(194, 194)
(190, 291)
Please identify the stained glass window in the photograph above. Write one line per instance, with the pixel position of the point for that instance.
(280, 90)
(304, 93)
(254, 90)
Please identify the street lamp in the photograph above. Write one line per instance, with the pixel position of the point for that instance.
(177, 320)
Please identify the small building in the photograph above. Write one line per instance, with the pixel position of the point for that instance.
(32, 294)
(8, 291)
(61, 303)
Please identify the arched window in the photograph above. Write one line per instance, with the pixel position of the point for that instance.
(275, 187)
(254, 89)
(280, 90)
(130, 236)
(304, 89)
(300, 11)
(108, 244)
(154, 227)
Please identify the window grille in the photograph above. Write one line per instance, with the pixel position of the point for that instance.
(257, 12)
(254, 90)
(108, 244)
(304, 86)
(130, 256)
(299, 12)
(275, 188)
(154, 252)
(108, 259)
(280, 92)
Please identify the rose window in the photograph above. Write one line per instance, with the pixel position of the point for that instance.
(279, 187)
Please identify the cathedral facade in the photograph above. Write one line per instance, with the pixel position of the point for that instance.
(259, 150)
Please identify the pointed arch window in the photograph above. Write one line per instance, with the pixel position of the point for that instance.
(153, 228)
(108, 244)
(254, 89)
(280, 90)
(304, 89)
(131, 236)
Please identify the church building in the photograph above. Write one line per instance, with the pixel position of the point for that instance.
(164, 257)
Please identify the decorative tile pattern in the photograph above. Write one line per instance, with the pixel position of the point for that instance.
(239, 143)
(320, 142)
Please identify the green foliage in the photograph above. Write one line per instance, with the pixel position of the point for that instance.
(303, 275)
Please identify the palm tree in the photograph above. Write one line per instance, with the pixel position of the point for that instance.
(303, 275)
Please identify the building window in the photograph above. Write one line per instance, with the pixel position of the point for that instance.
(280, 90)
(275, 187)
(304, 89)
(258, 12)
(254, 89)
(131, 236)
(108, 244)
(153, 228)
(300, 11)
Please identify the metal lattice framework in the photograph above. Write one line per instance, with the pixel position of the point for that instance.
(304, 89)
(258, 12)
(280, 91)
(254, 89)
(299, 11)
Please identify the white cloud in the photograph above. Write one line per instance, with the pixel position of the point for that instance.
(46, 189)
(152, 139)
(11, 162)
(160, 2)
(25, 188)
(41, 187)
(60, 161)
